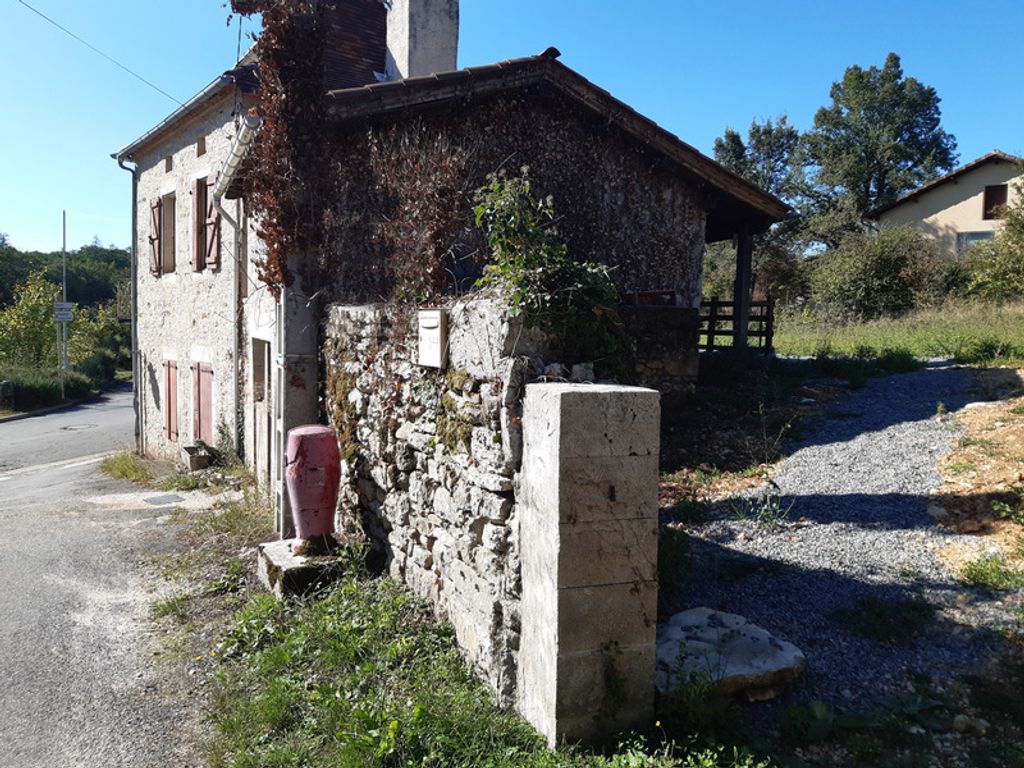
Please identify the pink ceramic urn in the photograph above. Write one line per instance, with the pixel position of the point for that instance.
(312, 473)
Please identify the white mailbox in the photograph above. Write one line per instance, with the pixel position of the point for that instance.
(433, 335)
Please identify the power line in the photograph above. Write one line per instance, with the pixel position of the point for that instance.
(93, 48)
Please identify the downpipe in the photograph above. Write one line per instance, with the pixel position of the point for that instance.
(134, 267)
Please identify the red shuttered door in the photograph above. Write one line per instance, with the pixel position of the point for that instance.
(202, 402)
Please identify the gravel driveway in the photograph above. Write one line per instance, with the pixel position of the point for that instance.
(857, 529)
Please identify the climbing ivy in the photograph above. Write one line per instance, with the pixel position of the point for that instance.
(531, 269)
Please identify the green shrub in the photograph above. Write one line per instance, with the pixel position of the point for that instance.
(876, 274)
(34, 388)
(531, 268)
(997, 267)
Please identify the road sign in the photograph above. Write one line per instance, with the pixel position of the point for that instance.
(65, 305)
(64, 316)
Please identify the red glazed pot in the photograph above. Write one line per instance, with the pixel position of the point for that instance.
(312, 473)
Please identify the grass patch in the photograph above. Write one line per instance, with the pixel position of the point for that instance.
(896, 622)
(126, 465)
(175, 607)
(365, 676)
(179, 482)
(992, 572)
(973, 333)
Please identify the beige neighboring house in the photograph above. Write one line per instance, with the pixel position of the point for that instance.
(961, 208)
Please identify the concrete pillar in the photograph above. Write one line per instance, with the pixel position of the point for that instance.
(297, 389)
(588, 501)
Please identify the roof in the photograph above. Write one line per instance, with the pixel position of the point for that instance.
(742, 203)
(994, 156)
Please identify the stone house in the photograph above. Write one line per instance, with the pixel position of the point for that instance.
(432, 458)
(961, 208)
(218, 359)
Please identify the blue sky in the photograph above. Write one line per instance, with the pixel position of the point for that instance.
(694, 66)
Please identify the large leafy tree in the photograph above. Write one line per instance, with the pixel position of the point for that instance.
(771, 157)
(880, 138)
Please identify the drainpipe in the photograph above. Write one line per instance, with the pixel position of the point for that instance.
(136, 363)
(243, 143)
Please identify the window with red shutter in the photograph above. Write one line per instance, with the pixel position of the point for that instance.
(199, 225)
(171, 400)
(212, 254)
(202, 403)
(156, 219)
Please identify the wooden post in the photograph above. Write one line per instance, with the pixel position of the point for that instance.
(712, 322)
(769, 331)
(742, 289)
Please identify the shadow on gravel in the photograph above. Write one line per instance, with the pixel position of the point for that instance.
(886, 402)
(885, 511)
(813, 608)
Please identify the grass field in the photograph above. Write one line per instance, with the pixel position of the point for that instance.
(977, 334)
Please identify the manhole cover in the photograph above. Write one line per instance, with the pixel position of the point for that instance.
(163, 501)
(78, 427)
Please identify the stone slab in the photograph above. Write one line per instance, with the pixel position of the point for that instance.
(285, 574)
(726, 649)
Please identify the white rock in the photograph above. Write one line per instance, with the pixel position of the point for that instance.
(724, 648)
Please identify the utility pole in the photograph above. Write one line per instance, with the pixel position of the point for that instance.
(64, 252)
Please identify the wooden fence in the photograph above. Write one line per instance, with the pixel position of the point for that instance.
(718, 330)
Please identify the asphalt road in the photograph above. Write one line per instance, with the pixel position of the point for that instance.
(79, 685)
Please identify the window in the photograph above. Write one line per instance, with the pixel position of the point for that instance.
(161, 235)
(260, 370)
(965, 240)
(167, 244)
(202, 402)
(168, 164)
(171, 400)
(206, 227)
(995, 201)
(201, 146)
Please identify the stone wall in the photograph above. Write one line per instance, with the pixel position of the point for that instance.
(429, 461)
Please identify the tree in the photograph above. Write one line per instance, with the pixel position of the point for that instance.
(880, 138)
(771, 158)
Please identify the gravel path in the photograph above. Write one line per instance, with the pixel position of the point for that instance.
(858, 528)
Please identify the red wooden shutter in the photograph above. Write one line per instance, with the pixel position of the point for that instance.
(156, 215)
(199, 225)
(212, 254)
(206, 404)
(171, 400)
(196, 396)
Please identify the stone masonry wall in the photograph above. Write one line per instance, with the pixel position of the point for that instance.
(184, 316)
(429, 461)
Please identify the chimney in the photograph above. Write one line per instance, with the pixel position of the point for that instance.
(423, 37)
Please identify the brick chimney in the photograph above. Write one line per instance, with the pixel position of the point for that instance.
(423, 37)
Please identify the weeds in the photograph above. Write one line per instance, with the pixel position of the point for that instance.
(179, 482)
(767, 511)
(1011, 510)
(126, 465)
(175, 607)
(992, 572)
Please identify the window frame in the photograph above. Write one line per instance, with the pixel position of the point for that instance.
(994, 200)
